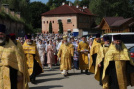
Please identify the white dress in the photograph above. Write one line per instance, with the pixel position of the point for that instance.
(41, 50)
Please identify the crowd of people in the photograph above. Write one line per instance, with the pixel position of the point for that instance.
(23, 58)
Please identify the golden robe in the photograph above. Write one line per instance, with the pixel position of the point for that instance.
(20, 49)
(66, 53)
(30, 51)
(83, 56)
(99, 59)
(10, 57)
(120, 59)
(94, 50)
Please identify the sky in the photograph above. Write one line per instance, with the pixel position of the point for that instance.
(45, 1)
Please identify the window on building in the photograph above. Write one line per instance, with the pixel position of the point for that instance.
(47, 22)
(44, 22)
(53, 21)
(59, 20)
(69, 21)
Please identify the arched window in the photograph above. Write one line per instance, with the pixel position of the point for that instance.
(69, 21)
(59, 20)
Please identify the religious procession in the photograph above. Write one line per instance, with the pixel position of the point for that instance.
(23, 58)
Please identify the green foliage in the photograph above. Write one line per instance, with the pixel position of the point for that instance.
(50, 27)
(19, 6)
(60, 27)
(53, 6)
(28, 28)
(111, 8)
(76, 2)
(55, 3)
(5, 16)
(36, 9)
(84, 3)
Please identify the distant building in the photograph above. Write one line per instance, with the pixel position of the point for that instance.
(72, 17)
(12, 20)
(116, 24)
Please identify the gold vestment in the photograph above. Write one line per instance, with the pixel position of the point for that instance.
(66, 53)
(83, 56)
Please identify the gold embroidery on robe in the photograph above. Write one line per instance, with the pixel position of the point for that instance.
(65, 53)
(99, 59)
(120, 59)
(29, 51)
(10, 57)
(83, 57)
(94, 49)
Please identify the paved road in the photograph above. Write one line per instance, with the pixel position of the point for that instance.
(54, 80)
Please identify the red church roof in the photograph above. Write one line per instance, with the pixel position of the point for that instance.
(66, 9)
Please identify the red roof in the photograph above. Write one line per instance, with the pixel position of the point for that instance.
(66, 9)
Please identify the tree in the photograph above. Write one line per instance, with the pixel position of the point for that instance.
(60, 27)
(111, 8)
(97, 7)
(50, 27)
(36, 9)
(76, 2)
(84, 3)
(55, 3)
(19, 6)
(52, 7)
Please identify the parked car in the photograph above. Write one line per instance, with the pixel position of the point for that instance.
(127, 38)
(131, 50)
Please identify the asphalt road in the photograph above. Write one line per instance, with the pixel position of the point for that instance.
(54, 80)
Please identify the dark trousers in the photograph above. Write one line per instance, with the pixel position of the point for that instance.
(94, 59)
(36, 70)
(76, 64)
(13, 78)
(101, 72)
(45, 58)
(111, 71)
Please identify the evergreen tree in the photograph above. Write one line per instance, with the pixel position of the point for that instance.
(53, 6)
(111, 8)
(76, 2)
(60, 27)
(50, 27)
(36, 9)
(84, 3)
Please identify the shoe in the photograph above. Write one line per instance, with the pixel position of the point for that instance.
(81, 71)
(86, 71)
(33, 81)
(67, 73)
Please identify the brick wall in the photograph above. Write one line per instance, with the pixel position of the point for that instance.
(54, 19)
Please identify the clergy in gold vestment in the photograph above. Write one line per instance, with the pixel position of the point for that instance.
(32, 57)
(83, 49)
(12, 72)
(116, 65)
(65, 54)
(100, 58)
(12, 36)
(93, 53)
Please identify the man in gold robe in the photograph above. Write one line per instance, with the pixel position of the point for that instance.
(93, 53)
(100, 58)
(12, 71)
(32, 57)
(83, 49)
(65, 54)
(12, 36)
(117, 62)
